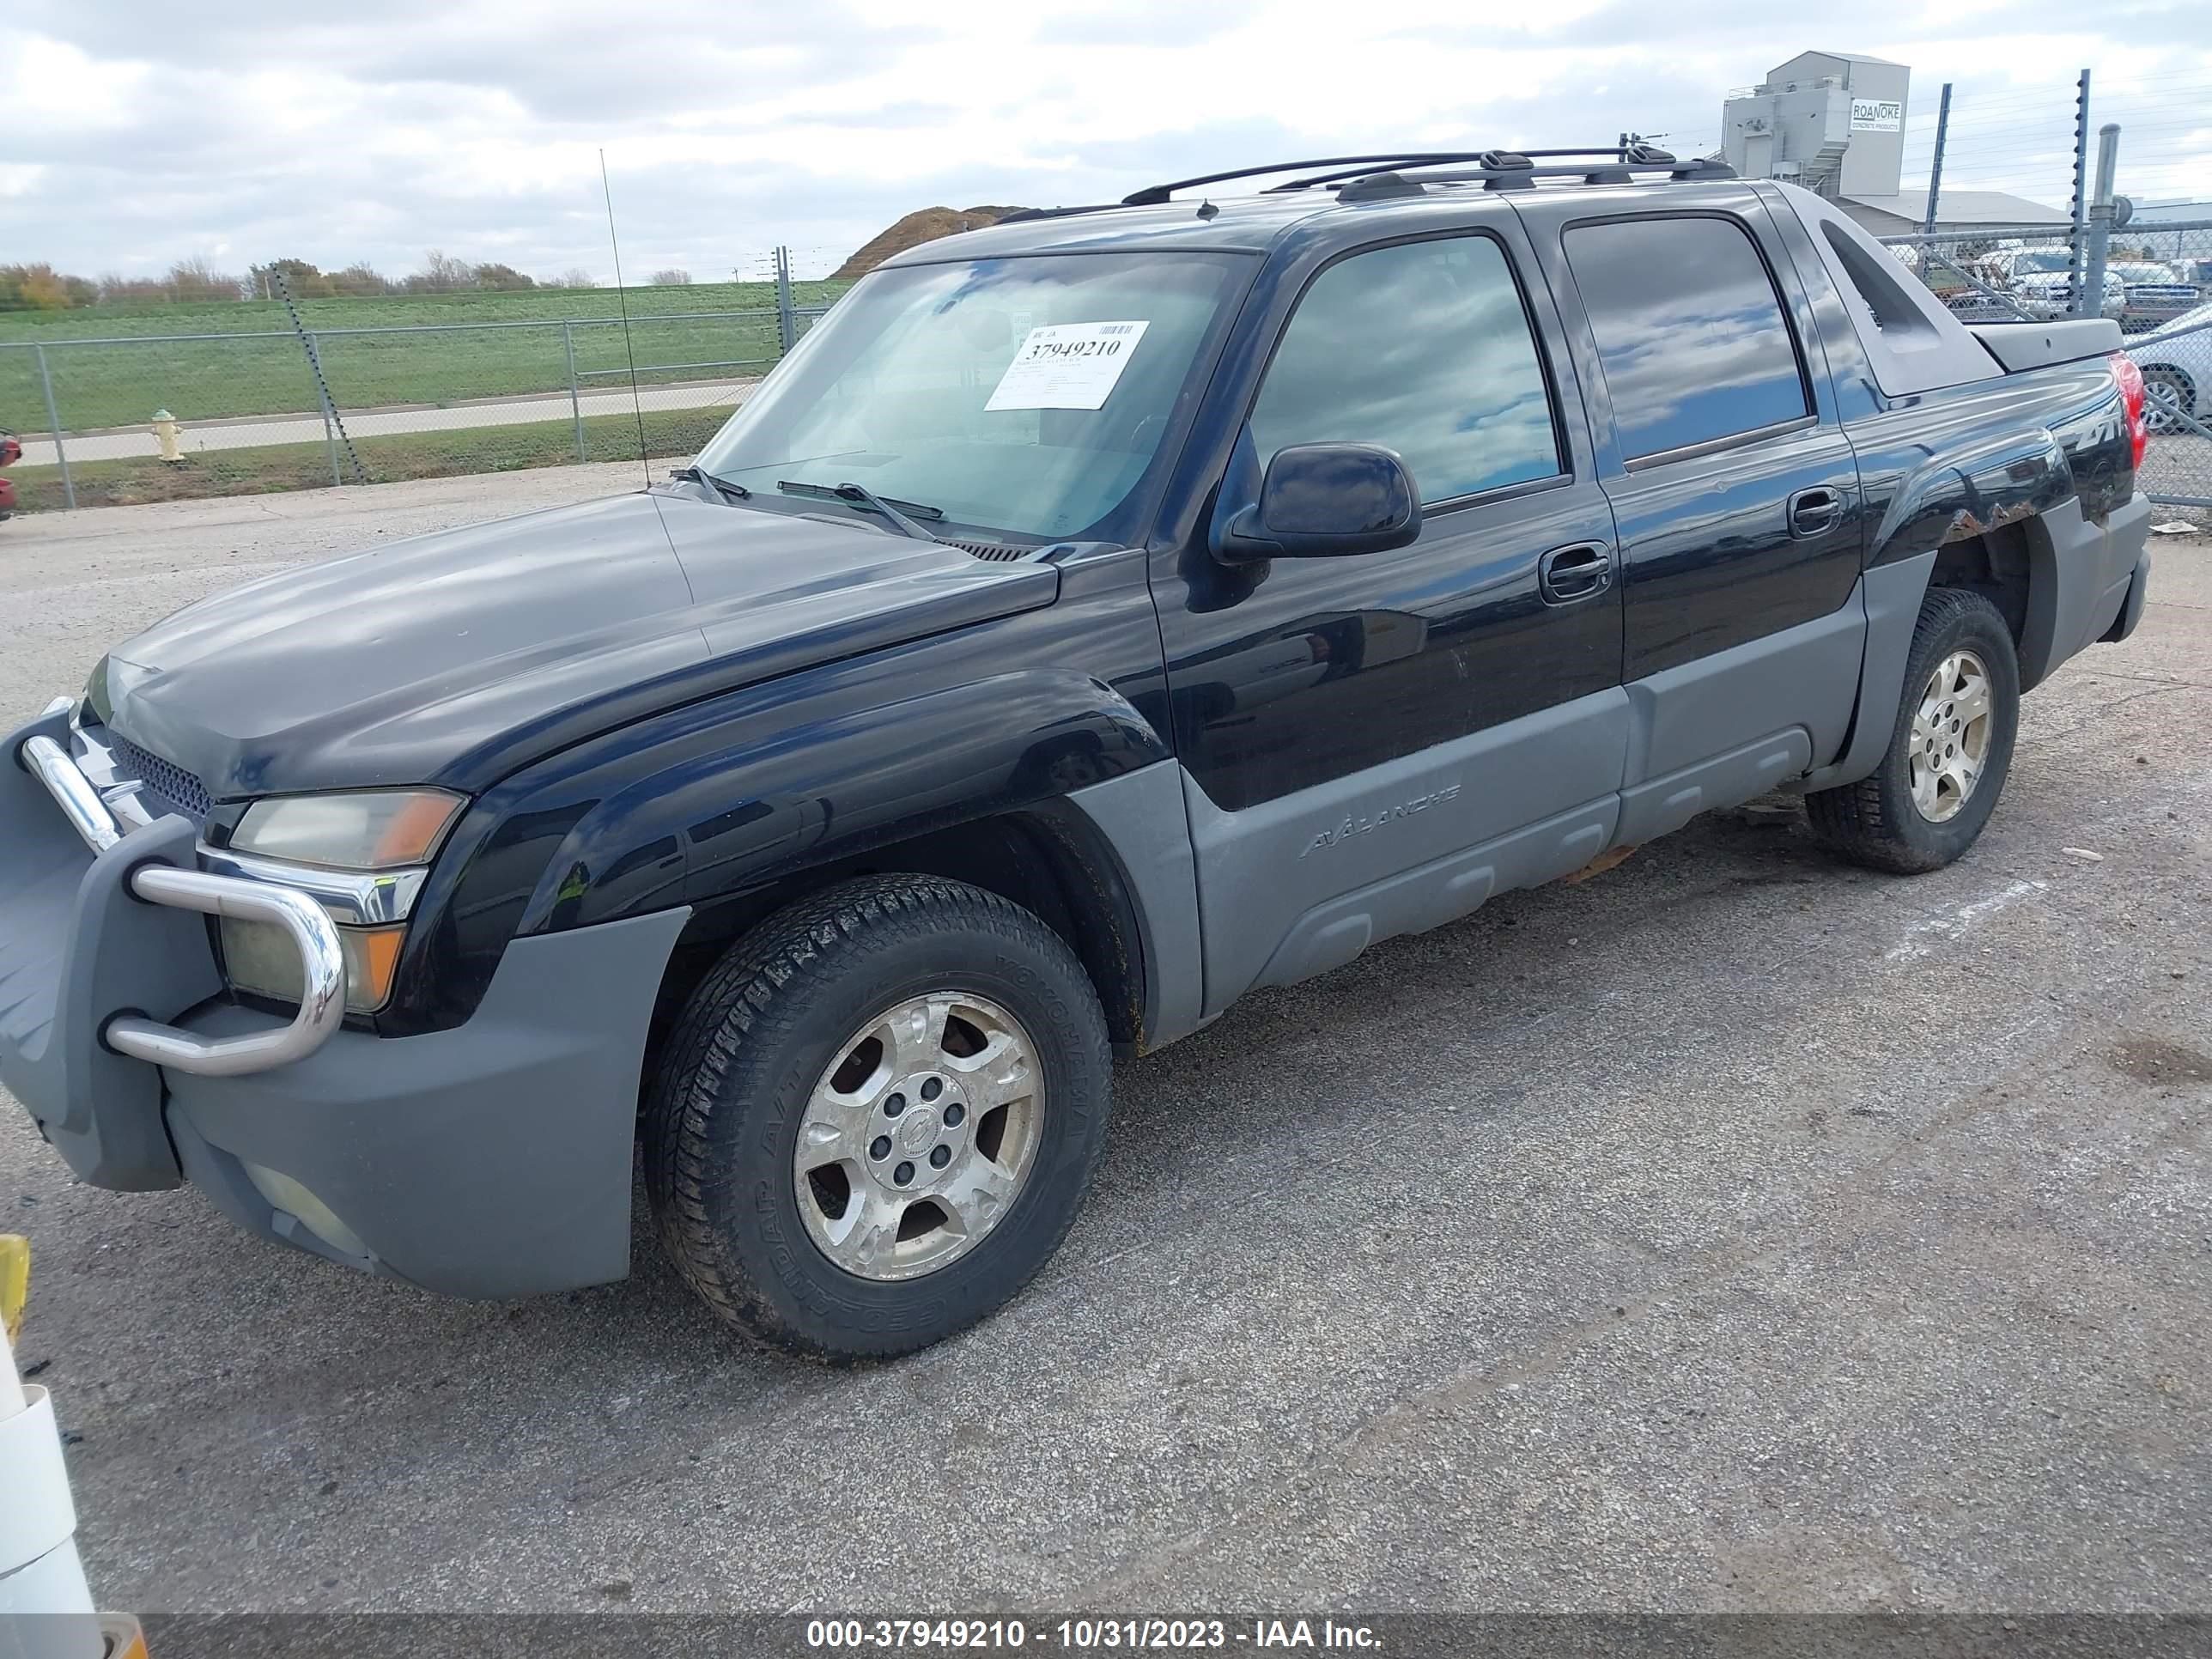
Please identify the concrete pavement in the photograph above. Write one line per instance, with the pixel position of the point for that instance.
(1733, 1230)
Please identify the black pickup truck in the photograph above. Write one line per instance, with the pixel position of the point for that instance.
(1096, 617)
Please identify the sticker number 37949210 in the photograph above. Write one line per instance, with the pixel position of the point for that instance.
(1067, 365)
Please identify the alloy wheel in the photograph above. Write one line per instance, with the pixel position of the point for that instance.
(919, 1136)
(1951, 730)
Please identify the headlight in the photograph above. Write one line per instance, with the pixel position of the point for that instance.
(361, 855)
(370, 830)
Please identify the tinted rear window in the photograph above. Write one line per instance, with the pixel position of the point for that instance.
(1690, 331)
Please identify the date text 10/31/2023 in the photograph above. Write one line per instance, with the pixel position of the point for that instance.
(1088, 1634)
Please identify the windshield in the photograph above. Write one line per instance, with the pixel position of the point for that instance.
(1026, 396)
(2045, 261)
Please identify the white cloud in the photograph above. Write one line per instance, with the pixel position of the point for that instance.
(728, 128)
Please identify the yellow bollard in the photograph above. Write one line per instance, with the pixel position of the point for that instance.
(165, 433)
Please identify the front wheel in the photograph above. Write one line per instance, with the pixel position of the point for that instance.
(1950, 753)
(877, 1116)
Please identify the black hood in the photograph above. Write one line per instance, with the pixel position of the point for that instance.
(455, 657)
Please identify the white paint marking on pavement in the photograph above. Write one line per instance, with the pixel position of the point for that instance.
(1920, 940)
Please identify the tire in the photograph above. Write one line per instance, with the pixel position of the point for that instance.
(1878, 822)
(787, 1037)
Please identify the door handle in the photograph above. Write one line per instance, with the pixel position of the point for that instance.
(1574, 572)
(1814, 511)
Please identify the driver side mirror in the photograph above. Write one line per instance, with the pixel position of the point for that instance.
(1325, 500)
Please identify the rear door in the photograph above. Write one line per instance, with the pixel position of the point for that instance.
(1733, 488)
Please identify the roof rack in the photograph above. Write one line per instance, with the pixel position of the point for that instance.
(1496, 169)
(1519, 173)
(1153, 195)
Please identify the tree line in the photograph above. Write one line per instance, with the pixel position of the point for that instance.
(40, 287)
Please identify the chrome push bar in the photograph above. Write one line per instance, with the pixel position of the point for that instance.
(322, 1003)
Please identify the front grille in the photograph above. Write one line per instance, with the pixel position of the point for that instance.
(175, 786)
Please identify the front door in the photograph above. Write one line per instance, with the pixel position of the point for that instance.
(1352, 729)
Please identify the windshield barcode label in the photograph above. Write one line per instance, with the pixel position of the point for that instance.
(1067, 365)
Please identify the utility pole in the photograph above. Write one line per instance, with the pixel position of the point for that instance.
(1935, 168)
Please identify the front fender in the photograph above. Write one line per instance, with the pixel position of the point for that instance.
(711, 799)
(711, 814)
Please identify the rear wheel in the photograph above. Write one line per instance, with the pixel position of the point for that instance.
(877, 1117)
(1950, 753)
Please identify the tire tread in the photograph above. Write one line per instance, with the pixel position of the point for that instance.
(754, 998)
(1855, 819)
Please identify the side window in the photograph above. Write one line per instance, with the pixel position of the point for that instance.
(1424, 348)
(1690, 331)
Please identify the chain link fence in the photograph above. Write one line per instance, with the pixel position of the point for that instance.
(163, 416)
(124, 419)
(2157, 286)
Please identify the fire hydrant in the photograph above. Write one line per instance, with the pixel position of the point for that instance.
(165, 433)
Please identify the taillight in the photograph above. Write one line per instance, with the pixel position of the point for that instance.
(2129, 378)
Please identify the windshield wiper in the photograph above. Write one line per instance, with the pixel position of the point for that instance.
(732, 492)
(867, 500)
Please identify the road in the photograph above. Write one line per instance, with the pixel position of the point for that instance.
(1732, 1231)
(384, 422)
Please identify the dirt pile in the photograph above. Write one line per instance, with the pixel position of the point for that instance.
(923, 225)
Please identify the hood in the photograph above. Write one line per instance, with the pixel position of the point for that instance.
(455, 657)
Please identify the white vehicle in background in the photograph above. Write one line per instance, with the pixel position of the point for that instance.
(2177, 369)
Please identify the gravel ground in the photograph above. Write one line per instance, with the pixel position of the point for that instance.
(1732, 1231)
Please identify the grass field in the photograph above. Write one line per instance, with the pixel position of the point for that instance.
(670, 434)
(112, 385)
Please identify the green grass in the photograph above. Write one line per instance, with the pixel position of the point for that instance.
(117, 386)
(668, 433)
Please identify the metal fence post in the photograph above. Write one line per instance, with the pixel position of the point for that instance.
(1935, 166)
(330, 435)
(2100, 215)
(333, 424)
(2077, 251)
(787, 324)
(575, 401)
(54, 425)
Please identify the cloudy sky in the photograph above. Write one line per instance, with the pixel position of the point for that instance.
(137, 131)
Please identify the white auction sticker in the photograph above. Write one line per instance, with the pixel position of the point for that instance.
(1067, 365)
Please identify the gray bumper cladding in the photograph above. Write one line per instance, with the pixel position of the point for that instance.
(490, 1160)
(76, 949)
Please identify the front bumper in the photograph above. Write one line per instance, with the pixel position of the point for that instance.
(490, 1160)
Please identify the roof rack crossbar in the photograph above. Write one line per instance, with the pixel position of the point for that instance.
(1351, 166)
(1402, 182)
(1153, 195)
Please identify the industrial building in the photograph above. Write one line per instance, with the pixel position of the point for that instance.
(1834, 121)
